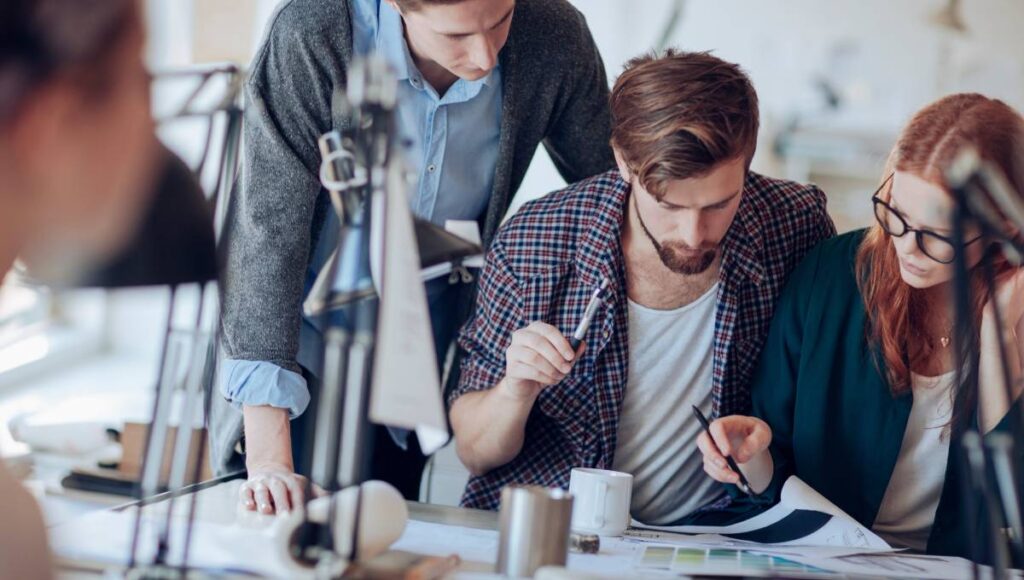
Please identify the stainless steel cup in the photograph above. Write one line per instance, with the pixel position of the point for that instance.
(534, 528)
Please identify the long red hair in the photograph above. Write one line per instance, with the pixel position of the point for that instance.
(926, 147)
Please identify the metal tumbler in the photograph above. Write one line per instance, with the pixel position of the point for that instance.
(534, 528)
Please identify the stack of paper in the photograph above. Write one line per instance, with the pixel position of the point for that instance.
(803, 517)
(804, 535)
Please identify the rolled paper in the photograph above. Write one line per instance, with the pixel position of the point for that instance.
(383, 518)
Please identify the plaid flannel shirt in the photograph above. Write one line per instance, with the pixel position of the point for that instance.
(544, 264)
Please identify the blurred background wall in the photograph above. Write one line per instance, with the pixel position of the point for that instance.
(836, 79)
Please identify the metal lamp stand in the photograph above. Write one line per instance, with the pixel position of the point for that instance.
(355, 170)
(988, 465)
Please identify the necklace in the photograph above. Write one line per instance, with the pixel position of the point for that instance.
(946, 333)
(944, 339)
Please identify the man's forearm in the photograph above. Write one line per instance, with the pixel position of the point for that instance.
(490, 425)
(267, 436)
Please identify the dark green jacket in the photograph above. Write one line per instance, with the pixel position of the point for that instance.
(836, 424)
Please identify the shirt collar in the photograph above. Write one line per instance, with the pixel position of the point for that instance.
(602, 242)
(391, 42)
(741, 248)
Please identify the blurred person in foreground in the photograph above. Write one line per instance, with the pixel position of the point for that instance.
(77, 154)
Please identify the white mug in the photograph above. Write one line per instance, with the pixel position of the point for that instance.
(602, 499)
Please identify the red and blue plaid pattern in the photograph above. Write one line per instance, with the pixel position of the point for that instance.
(543, 266)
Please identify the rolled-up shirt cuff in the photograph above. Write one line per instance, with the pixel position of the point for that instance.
(475, 375)
(255, 383)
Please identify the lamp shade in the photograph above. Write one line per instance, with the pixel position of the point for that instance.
(174, 244)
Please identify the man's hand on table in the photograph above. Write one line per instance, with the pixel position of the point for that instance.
(273, 486)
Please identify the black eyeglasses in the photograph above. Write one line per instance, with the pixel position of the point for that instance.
(937, 247)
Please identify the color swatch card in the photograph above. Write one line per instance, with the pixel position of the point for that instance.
(723, 561)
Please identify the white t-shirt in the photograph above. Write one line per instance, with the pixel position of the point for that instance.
(670, 358)
(908, 508)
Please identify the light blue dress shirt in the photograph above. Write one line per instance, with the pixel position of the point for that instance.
(454, 142)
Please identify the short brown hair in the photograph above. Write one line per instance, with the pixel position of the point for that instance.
(678, 115)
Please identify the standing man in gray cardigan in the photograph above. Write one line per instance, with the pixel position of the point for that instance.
(481, 84)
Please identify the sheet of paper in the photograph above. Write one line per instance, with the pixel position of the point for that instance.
(617, 559)
(803, 517)
(893, 565)
(406, 387)
(467, 230)
(802, 561)
(798, 495)
(430, 539)
(214, 546)
(652, 537)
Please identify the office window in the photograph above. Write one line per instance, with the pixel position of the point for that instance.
(24, 308)
(41, 329)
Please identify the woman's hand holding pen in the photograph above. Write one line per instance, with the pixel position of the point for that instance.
(539, 356)
(743, 438)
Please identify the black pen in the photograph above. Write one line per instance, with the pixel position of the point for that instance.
(596, 299)
(743, 484)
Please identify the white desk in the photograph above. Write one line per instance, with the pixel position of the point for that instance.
(229, 537)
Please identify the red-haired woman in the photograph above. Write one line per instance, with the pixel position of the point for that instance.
(855, 393)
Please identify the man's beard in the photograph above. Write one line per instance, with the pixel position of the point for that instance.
(683, 260)
(677, 256)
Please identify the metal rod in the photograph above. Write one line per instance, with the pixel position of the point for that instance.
(1000, 447)
(204, 347)
(147, 459)
(191, 389)
(999, 559)
(1002, 463)
(207, 142)
(209, 380)
(966, 369)
(976, 185)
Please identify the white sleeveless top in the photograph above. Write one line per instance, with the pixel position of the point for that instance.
(908, 509)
